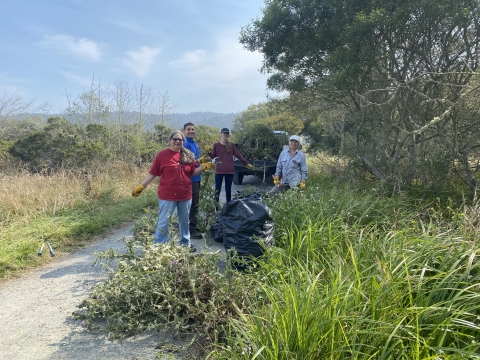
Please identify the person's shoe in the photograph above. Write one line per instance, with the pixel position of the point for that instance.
(195, 235)
(190, 247)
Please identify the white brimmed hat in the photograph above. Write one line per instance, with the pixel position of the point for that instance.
(295, 137)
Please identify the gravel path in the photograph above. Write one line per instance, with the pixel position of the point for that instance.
(36, 310)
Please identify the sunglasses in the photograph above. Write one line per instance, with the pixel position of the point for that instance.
(226, 133)
(176, 139)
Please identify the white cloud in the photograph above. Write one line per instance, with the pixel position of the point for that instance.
(140, 62)
(229, 63)
(66, 44)
(227, 77)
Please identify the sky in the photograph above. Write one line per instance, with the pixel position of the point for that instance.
(52, 50)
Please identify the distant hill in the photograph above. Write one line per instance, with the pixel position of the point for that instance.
(207, 118)
(175, 121)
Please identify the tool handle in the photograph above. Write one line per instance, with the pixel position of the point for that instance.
(52, 253)
(40, 251)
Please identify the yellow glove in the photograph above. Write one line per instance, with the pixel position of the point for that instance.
(250, 167)
(303, 185)
(276, 181)
(136, 192)
(208, 148)
(204, 159)
(207, 166)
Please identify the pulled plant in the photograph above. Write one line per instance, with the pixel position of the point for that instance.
(152, 287)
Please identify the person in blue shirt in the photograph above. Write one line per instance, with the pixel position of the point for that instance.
(190, 144)
(291, 169)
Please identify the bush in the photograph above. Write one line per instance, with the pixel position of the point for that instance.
(259, 141)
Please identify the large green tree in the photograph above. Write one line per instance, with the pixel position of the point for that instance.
(400, 70)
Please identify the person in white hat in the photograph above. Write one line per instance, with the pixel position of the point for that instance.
(292, 168)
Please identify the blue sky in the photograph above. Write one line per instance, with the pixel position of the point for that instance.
(50, 48)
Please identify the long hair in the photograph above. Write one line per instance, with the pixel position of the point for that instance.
(186, 156)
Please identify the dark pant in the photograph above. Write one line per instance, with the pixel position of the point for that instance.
(228, 186)
(194, 207)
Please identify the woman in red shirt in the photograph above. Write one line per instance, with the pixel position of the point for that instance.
(175, 166)
(224, 151)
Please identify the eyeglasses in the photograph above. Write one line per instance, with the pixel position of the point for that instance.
(176, 139)
(226, 133)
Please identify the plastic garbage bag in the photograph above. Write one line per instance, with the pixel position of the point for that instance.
(246, 225)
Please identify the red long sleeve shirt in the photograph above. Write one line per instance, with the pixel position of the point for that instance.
(226, 166)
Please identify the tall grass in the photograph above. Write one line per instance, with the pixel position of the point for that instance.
(67, 208)
(26, 195)
(361, 276)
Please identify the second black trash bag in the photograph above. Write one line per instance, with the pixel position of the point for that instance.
(247, 225)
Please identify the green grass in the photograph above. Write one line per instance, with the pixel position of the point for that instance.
(356, 275)
(66, 230)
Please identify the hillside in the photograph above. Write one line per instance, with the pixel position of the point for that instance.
(175, 120)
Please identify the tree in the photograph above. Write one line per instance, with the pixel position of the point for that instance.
(164, 108)
(274, 114)
(90, 107)
(401, 70)
(63, 144)
(206, 135)
(13, 109)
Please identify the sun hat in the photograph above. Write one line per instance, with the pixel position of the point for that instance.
(295, 137)
(225, 130)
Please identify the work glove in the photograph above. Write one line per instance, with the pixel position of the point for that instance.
(208, 148)
(276, 181)
(207, 166)
(136, 192)
(250, 167)
(204, 159)
(302, 185)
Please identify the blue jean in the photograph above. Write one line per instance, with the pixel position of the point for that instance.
(166, 209)
(228, 186)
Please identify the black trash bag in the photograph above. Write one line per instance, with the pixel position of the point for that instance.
(217, 231)
(247, 226)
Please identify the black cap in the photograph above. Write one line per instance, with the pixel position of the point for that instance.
(225, 130)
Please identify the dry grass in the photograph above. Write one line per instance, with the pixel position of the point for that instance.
(321, 163)
(25, 195)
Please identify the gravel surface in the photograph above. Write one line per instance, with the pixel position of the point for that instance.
(36, 310)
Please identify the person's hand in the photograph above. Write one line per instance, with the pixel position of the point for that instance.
(208, 148)
(207, 166)
(276, 181)
(250, 167)
(303, 185)
(136, 192)
(204, 159)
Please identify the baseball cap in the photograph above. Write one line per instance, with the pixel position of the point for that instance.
(295, 137)
(225, 130)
